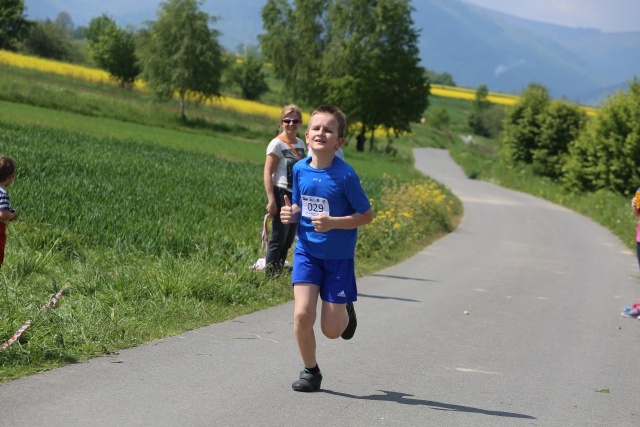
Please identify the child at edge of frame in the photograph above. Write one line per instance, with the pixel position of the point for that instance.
(330, 204)
(7, 213)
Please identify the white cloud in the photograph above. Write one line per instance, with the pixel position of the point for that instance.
(502, 69)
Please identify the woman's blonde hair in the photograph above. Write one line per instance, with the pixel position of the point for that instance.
(286, 110)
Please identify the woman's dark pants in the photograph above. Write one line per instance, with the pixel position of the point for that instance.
(282, 236)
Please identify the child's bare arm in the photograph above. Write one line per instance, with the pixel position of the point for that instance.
(324, 222)
(7, 215)
(636, 208)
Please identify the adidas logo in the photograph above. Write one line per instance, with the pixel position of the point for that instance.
(342, 294)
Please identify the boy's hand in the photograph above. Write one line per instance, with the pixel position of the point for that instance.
(8, 215)
(321, 222)
(285, 211)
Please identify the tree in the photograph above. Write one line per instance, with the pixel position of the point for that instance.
(113, 49)
(539, 132)
(391, 89)
(13, 25)
(49, 40)
(64, 20)
(294, 44)
(445, 79)
(97, 27)
(479, 106)
(181, 54)
(485, 118)
(560, 125)
(248, 74)
(361, 55)
(482, 98)
(605, 155)
(522, 124)
(440, 118)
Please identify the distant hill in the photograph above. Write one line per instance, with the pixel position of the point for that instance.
(615, 57)
(477, 46)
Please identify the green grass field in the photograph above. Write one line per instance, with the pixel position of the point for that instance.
(149, 224)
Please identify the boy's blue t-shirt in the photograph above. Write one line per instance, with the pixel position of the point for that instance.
(337, 189)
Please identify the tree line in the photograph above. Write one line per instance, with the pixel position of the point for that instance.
(361, 55)
(556, 139)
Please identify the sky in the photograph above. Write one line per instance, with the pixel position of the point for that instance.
(605, 15)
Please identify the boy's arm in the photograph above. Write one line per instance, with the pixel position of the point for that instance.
(8, 215)
(324, 222)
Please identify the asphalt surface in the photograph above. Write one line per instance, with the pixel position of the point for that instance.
(543, 343)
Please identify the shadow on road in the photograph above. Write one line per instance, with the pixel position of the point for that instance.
(417, 279)
(391, 396)
(386, 297)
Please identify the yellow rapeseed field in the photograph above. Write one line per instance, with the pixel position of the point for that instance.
(100, 76)
(470, 94)
(248, 107)
(494, 97)
(56, 67)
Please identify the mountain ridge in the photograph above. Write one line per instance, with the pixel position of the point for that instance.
(475, 45)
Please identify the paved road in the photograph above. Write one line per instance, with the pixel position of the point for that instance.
(543, 287)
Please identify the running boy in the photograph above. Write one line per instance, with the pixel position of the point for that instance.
(7, 170)
(330, 204)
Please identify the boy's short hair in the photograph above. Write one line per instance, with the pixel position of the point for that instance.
(335, 112)
(7, 167)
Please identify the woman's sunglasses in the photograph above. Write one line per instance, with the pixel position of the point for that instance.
(287, 121)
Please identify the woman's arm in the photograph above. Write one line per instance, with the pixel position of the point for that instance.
(270, 166)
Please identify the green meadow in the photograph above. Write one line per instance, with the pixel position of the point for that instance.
(151, 224)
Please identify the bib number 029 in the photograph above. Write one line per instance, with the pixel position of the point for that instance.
(312, 206)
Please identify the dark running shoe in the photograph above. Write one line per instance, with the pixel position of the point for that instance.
(353, 322)
(307, 382)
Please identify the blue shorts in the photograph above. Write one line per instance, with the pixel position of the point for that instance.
(336, 277)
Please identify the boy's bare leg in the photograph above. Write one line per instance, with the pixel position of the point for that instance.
(334, 319)
(304, 316)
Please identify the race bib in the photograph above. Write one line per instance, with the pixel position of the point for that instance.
(312, 206)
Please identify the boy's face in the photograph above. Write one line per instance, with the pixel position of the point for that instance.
(9, 181)
(322, 134)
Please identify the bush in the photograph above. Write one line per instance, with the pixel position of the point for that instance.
(560, 124)
(522, 125)
(49, 40)
(249, 76)
(607, 155)
(538, 132)
(440, 118)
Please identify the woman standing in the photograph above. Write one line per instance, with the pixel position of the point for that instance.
(282, 153)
